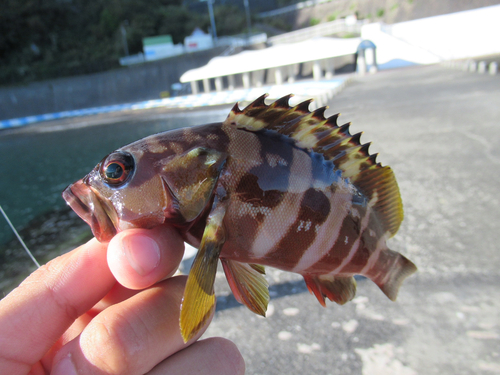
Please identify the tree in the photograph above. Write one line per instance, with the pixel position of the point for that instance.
(42, 39)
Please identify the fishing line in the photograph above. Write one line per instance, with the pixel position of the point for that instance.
(19, 237)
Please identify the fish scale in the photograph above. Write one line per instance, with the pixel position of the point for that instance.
(272, 185)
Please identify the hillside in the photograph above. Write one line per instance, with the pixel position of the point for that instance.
(388, 11)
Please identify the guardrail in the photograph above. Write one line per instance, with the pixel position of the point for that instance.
(291, 8)
(323, 29)
(470, 65)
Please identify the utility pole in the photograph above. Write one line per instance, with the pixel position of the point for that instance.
(124, 36)
(212, 19)
(247, 12)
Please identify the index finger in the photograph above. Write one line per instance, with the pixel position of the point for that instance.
(35, 314)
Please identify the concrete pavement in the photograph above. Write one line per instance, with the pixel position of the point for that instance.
(439, 130)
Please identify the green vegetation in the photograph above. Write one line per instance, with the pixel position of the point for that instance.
(380, 12)
(314, 21)
(333, 16)
(54, 38)
(229, 20)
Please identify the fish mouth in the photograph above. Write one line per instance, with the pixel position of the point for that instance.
(93, 210)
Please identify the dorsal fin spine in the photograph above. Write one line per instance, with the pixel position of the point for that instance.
(282, 102)
(236, 109)
(320, 113)
(345, 129)
(332, 120)
(356, 138)
(259, 102)
(365, 147)
(303, 106)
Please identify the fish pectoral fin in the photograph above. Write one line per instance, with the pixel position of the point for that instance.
(337, 289)
(248, 284)
(198, 302)
(191, 178)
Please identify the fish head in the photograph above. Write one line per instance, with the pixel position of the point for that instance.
(123, 191)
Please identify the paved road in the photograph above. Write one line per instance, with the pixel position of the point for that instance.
(438, 129)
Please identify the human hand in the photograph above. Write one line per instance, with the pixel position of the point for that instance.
(71, 316)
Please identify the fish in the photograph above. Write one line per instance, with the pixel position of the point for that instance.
(270, 186)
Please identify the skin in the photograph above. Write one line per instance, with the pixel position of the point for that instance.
(71, 316)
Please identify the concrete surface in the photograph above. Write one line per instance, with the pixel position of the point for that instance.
(439, 130)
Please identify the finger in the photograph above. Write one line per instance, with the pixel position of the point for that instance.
(211, 356)
(34, 315)
(131, 337)
(116, 295)
(139, 258)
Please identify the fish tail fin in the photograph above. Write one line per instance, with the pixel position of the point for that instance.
(390, 271)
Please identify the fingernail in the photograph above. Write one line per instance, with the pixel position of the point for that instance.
(142, 252)
(65, 367)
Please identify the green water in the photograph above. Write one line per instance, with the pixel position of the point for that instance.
(36, 166)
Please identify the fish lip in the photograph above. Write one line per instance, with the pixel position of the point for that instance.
(87, 204)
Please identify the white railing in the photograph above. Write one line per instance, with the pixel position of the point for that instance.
(323, 29)
(291, 8)
(241, 40)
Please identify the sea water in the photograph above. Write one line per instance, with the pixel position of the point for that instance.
(37, 163)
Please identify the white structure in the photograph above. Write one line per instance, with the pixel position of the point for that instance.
(160, 47)
(434, 39)
(280, 63)
(425, 41)
(198, 40)
(367, 62)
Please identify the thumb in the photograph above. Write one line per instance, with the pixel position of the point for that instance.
(139, 258)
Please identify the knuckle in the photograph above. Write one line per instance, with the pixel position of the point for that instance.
(229, 355)
(110, 346)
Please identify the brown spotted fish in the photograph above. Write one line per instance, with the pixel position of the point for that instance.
(272, 185)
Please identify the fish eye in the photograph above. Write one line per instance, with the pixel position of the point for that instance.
(117, 168)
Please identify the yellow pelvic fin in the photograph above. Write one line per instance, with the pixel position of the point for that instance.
(248, 284)
(198, 302)
(337, 289)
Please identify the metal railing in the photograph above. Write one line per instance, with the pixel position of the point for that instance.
(291, 8)
(323, 29)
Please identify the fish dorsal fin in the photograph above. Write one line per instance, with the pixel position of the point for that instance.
(257, 115)
(314, 132)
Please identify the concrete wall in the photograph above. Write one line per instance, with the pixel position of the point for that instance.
(129, 84)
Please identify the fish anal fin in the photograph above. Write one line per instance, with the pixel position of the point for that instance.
(198, 302)
(248, 284)
(390, 271)
(337, 289)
